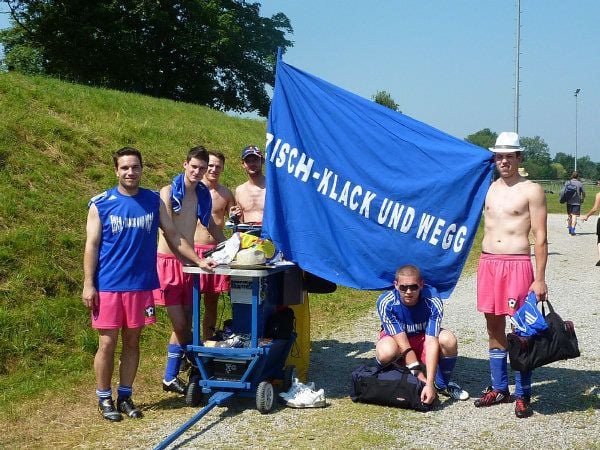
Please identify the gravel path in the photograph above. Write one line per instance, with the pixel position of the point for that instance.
(566, 395)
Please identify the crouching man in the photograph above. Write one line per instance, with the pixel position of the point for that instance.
(411, 332)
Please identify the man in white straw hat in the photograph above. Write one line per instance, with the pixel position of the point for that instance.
(514, 206)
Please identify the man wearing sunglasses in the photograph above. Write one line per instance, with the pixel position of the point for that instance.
(412, 334)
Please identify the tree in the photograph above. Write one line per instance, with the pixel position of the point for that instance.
(586, 168)
(567, 161)
(536, 158)
(483, 138)
(384, 98)
(219, 53)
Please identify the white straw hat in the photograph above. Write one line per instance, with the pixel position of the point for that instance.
(507, 142)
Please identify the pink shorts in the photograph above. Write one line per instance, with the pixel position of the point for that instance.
(212, 284)
(417, 343)
(503, 282)
(123, 310)
(175, 286)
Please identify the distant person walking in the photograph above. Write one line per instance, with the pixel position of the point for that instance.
(514, 206)
(222, 200)
(594, 209)
(119, 265)
(574, 201)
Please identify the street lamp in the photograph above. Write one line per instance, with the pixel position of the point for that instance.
(577, 91)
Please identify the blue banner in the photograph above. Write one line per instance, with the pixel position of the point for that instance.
(355, 189)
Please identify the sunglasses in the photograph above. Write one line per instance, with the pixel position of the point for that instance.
(406, 287)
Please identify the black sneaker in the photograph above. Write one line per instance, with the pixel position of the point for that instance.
(126, 406)
(523, 407)
(108, 410)
(598, 263)
(492, 397)
(176, 385)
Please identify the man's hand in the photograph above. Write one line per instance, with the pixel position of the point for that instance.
(428, 394)
(541, 290)
(207, 264)
(90, 297)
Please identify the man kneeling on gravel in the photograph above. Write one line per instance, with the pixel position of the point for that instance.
(411, 332)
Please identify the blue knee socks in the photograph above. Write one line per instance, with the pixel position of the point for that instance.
(444, 371)
(174, 354)
(523, 384)
(124, 392)
(499, 369)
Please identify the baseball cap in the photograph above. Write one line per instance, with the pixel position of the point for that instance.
(251, 150)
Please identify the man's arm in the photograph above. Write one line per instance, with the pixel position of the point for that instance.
(93, 230)
(539, 227)
(594, 208)
(432, 355)
(215, 231)
(177, 242)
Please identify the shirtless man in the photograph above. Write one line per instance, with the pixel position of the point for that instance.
(595, 208)
(514, 206)
(250, 196)
(222, 200)
(188, 201)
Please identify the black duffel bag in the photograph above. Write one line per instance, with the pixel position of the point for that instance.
(391, 385)
(557, 342)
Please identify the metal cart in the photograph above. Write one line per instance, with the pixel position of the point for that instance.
(247, 371)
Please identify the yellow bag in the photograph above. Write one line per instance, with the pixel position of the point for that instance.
(264, 245)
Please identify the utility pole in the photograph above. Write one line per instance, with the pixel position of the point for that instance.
(577, 91)
(518, 47)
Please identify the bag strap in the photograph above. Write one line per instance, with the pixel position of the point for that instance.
(550, 307)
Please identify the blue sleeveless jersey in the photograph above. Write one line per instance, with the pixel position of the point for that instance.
(424, 317)
(127, 254)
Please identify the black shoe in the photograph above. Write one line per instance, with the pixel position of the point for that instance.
(598, 263)
(108, 410)
(126, 406)
(175, 385)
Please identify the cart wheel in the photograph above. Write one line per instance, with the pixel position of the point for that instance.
(193, 395)
(264, 397)
(288, 377)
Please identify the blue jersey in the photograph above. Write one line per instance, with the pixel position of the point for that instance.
(424, 317)
(127, 254)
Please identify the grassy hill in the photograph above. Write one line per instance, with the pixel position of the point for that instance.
(56, 142)
(56, 145)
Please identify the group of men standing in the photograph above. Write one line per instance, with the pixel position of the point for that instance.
(127, 269)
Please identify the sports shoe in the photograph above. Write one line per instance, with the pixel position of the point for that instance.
(296, 388)
(598, 263)
(492, 397)
(176, 385)
(308, 398)
(523, 408)
(108, 410)
(454, 391)
(126, 406)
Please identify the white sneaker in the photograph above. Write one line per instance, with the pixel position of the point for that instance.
(308, 399)
(296, 388)
(454, 391)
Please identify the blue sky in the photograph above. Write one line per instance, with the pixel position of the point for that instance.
(451, 64)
